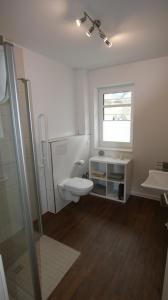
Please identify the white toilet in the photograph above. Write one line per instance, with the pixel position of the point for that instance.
(73, 188)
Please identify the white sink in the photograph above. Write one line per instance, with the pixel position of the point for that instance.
(157, 180)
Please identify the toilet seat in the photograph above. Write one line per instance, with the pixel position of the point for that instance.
(78, 185)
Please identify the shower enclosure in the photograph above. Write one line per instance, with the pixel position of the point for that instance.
(20, 223)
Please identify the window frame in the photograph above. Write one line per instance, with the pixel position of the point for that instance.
(107, 144)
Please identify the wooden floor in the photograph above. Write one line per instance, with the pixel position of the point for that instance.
(123, 249)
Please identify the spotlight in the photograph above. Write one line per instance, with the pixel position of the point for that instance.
(81, 20)
(78, 22)
(108, 43)
(89, 32)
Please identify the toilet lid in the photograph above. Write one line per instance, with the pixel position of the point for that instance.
(78, 183)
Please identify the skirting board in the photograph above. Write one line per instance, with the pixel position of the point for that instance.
(133, 193)
(144, 195)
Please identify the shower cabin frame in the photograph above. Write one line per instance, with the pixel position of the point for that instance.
(21, 162)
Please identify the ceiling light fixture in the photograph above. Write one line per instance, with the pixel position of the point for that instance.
(95, 24)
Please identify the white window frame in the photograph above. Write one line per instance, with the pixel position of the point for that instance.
(113, 145)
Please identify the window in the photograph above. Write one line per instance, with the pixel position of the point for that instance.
(115, 117)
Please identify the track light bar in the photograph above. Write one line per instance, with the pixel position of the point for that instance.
(95, 24)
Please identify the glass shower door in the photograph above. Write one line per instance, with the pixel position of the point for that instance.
(30, 153)
(17, 245)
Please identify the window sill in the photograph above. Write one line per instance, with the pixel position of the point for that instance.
(114, 149)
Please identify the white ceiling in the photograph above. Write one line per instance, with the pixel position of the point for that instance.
(137, 28)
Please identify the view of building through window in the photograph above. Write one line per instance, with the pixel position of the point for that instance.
(117, 117)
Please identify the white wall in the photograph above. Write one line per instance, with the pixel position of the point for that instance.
(52, 89)
(63, 95)
(150, 124)
(82, 101)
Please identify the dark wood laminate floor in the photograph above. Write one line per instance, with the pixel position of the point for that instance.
(123, 249)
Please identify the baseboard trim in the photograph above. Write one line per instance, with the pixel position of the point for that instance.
(148, 196)
(47, 213)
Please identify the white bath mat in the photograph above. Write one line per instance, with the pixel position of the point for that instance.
(54, 260)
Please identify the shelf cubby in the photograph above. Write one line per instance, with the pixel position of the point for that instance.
(115, 172)
(115, 191)
(98, 171)
(113, 180)
(99, 187)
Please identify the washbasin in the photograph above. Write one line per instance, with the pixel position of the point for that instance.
(157, 180)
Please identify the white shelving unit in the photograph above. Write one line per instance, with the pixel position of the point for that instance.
(111, 177)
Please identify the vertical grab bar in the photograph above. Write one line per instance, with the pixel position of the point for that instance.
(40, 141)
(32, 138)
(43, 125)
